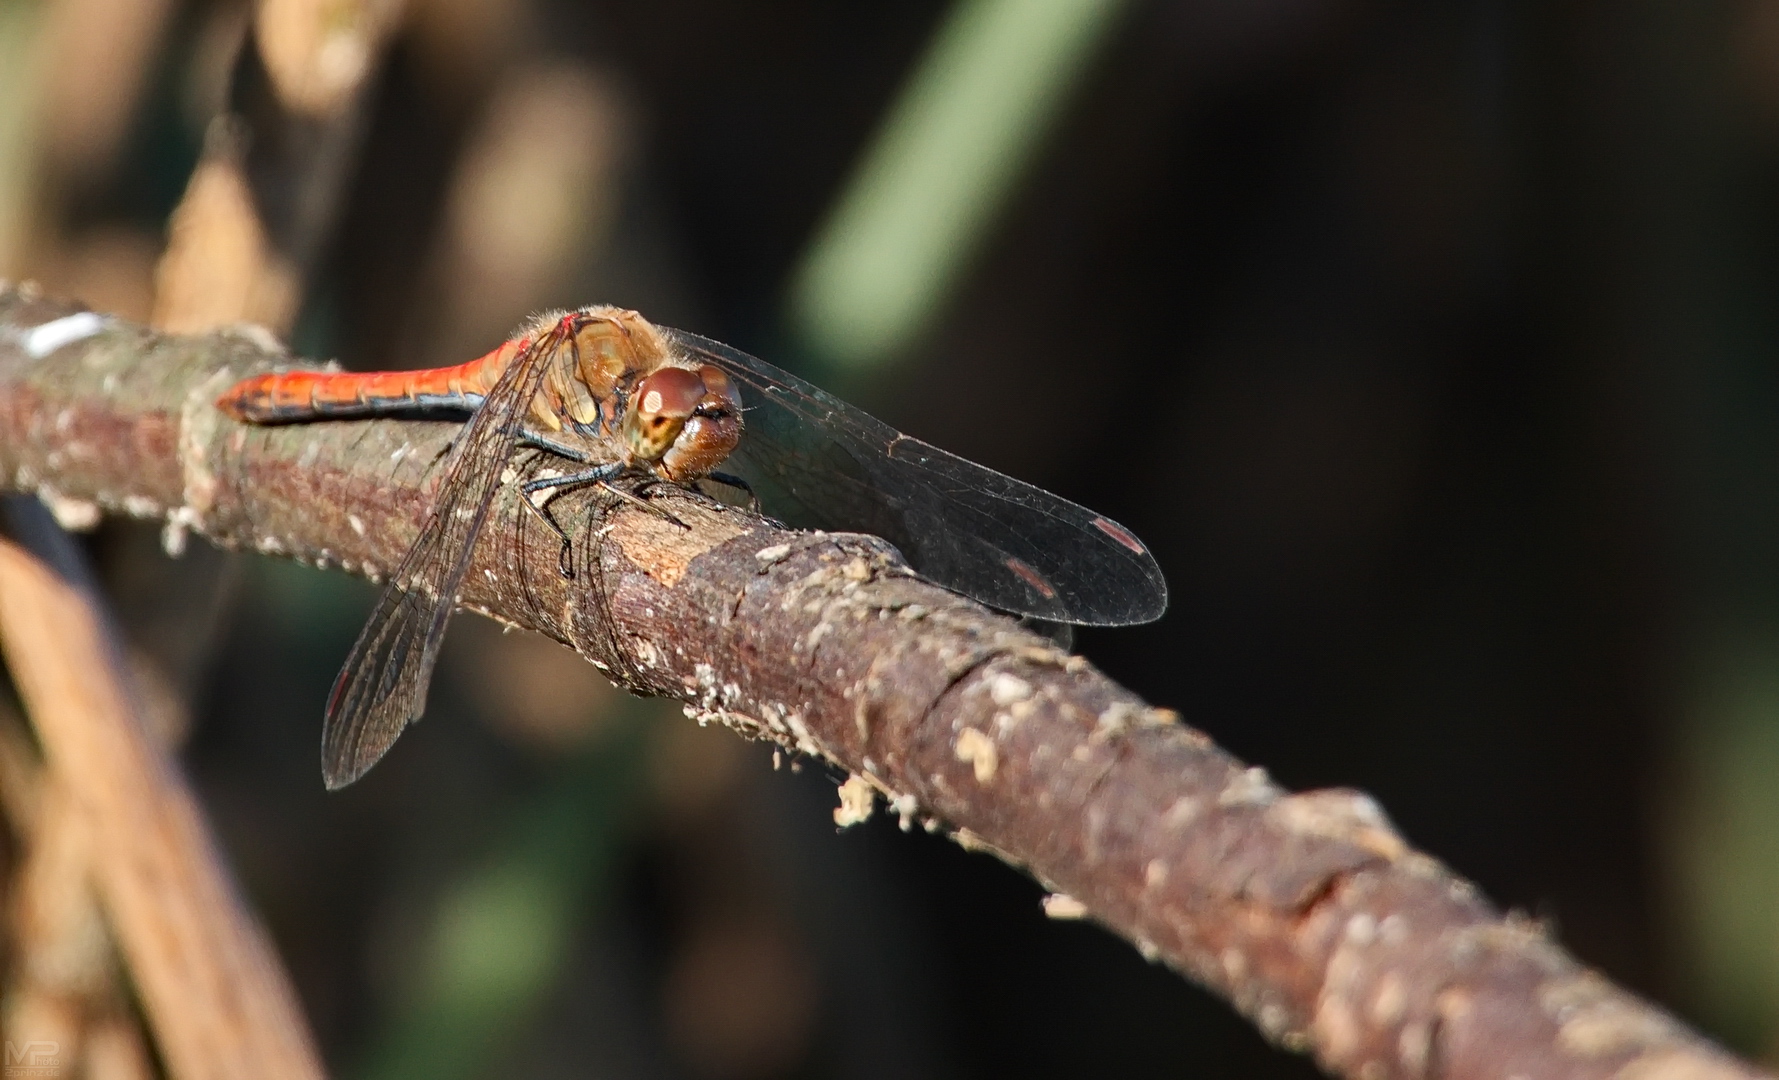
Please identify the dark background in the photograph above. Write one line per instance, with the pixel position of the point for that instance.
(1429, 346)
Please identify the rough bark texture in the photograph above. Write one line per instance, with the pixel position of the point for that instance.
(1306, 911)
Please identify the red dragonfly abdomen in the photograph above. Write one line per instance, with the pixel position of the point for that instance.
(290, 396)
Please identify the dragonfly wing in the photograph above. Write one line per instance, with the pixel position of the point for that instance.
(821, 463)
(382, 687)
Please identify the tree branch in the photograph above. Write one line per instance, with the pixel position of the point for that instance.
(1307, 912)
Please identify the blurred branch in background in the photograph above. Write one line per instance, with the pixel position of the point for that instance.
(1307, 912)
(97, 55)
(531, 199)
(262, 200)
(210, 981)
(73, 75)
(947, 158)
(63, 985)
(19, 94)
(1720, 827)
(256, 212)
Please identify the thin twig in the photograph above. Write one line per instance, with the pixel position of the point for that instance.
(1307, 912)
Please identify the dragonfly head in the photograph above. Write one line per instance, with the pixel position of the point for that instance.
(682, 421)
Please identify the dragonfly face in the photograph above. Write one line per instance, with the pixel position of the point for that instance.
(684, 422)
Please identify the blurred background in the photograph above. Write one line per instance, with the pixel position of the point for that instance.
(1431, 346)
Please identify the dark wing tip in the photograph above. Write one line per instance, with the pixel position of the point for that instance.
(1143, 597)
(336, 775)
(1143, 600)
(1125, 587)
(342, 759)
(1154, 601)
(358, 728)
(347, 755)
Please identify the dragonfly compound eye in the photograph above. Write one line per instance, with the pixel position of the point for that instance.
(661, 404)
(683, 422)
(711, 433)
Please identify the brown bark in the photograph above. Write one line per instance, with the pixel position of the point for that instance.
(1307, 911)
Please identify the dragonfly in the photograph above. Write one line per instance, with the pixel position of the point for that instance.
(618, 398)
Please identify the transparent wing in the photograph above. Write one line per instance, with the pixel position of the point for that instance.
(382, 687)
(818, 462)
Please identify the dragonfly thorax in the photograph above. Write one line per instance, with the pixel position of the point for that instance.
(683, 421)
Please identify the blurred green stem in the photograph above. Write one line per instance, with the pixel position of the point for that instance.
(1724, 839)
(19, 94)
(930, 185)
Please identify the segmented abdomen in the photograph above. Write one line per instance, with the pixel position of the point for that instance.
(290, 396)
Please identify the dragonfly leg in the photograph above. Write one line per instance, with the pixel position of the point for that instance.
(731, 480)
(644, 504)
(597, 475)
(536, 441)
